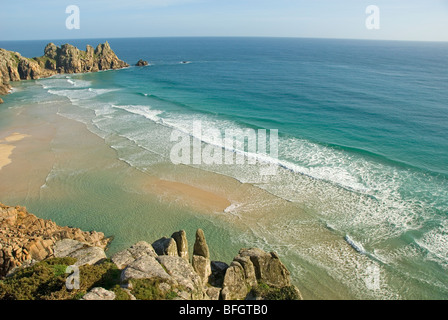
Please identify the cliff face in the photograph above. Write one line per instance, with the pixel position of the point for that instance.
(64, 59)
(69, 59)
(24, 238)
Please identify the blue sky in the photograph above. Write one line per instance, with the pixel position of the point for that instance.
(400, 19)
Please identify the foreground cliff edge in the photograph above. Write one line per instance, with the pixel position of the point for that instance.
(35, 254)
(56, 60)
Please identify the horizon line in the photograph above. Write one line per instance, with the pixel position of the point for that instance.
(271, 37)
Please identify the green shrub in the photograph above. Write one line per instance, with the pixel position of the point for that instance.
(120, 294)
(266, 292)
(36, 282)
(145, 289)
(46, 280)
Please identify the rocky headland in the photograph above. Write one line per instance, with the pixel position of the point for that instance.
(33, 252)
(56, 60)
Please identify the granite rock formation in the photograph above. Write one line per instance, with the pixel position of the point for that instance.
(64, 59)
(164, 266)
(26, 239)
(203, 279)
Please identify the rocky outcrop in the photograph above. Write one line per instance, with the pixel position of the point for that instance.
(141, 63)
(161, 269)
(184, 276)
(64, 59)
(69, 59)
(25, 239)
(267, 266)
(202, 279)
(126, 257)
(165, 246)
(180, 238)
(82, 252)
(250, 267)
(201, 257)
(146, 267)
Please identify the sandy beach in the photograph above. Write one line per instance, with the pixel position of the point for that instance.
(6, 147)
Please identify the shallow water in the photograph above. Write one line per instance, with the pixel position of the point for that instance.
(358, 207)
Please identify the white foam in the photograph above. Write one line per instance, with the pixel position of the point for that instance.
(144, 111)
(355, 245)
(80, 94)
(435, 242)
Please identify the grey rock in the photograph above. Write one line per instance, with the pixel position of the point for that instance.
(99, 294)
(145, 267)
(213, 293)
(200, 245)
(234, 286)
(182, 244)
(84, 253)
(268, 267)
(184, 274)
(89, 255)
(65, 247)
(249, 270)
(202, 267)
(138, 250)
(165, 247)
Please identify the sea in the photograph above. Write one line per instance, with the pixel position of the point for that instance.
(358, 205)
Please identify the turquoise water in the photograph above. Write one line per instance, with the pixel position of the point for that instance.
(363, 129)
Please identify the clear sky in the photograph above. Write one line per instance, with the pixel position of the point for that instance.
(399, 19)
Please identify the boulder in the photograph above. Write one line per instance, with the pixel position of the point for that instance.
(124, 258)
(200, 245)
(145, 267)
(99, 294)
(65, 247)
(1, 101)
(268, 267)
(183, 273)
(165, 246)
(182, 244)
(51, 51)
(202, 267)
(141, 63)
(213, 293)
(234, 286)
(249, 270)
(82, 252)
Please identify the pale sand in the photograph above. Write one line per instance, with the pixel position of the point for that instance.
(5, 153)
(16, 137)
(7, 149)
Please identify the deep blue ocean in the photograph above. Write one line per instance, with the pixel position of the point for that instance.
(365, 121)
